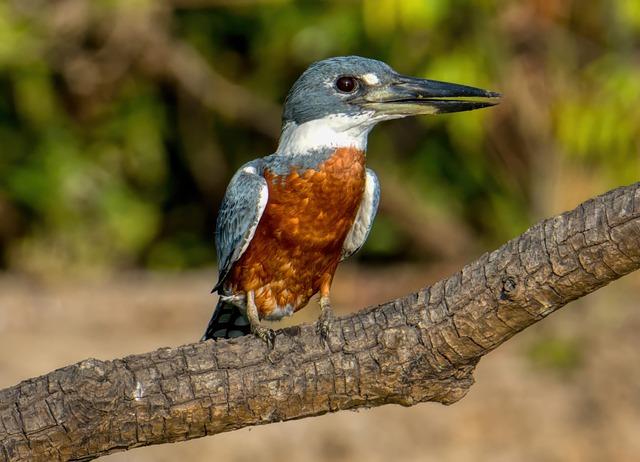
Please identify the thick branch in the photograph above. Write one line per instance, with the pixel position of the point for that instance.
(421, 347)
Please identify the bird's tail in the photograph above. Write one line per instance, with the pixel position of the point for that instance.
(227, 321)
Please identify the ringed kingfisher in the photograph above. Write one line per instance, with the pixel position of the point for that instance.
(289, 218)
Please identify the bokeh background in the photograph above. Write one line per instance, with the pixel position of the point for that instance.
(121, 122)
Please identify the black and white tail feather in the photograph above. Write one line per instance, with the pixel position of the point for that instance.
(227, 321)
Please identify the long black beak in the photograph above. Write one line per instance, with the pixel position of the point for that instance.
(408, 96)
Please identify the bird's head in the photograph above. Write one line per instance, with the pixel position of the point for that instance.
(342, 98)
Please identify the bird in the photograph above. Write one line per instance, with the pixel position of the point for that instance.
(288, 219)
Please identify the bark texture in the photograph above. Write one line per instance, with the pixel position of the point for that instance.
(417, 348)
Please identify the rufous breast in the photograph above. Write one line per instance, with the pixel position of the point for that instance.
(297, 245)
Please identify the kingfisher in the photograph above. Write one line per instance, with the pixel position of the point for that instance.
(288, 219)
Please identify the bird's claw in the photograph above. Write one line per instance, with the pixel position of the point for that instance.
(265, 334)
(323, 327)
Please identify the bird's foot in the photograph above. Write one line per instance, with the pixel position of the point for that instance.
(325, 321)
(265, 334)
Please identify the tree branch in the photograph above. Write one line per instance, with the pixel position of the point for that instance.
(420, 347)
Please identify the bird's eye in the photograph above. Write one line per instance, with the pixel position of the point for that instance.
(347, 84)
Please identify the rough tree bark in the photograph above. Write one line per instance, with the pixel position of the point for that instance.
(420, 347)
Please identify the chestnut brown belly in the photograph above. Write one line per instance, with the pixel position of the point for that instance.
(298, 242)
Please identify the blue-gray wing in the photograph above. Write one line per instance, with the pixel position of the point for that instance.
(364, 219)
(243, 204)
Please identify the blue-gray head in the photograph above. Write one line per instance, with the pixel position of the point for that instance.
(340, 99)
(353, 85)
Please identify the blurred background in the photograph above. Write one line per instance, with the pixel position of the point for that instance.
(121, 122)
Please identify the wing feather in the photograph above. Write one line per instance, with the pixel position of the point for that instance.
(242, 207)
(364, 219)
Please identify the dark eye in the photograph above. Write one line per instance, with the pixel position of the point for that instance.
(346, 84)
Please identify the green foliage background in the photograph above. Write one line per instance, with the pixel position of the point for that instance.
(121, 121)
